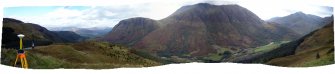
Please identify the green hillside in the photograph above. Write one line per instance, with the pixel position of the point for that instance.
(316, 49)
(89, 54)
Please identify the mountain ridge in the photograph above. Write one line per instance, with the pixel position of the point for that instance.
(300, 22)
(33, 32)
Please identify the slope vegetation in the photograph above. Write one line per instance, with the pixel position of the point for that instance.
(88, 54)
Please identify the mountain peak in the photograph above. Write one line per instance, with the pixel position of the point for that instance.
(299, 13)
(300, 22)
(203, 4)
(227, 13)
(209, 4)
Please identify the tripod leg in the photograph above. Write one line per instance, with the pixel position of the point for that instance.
(17, 56)
(22, 62)
(25, 63)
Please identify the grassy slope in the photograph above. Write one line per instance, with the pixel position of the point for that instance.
(219, 56)
(80, 55)
(328, 59)
(269, 47)
(24, 28)
(319, 42)
(305, 59)
(225, 53)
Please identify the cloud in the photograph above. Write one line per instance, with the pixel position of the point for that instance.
(92, 17)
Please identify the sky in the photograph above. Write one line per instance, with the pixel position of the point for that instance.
(108, 14)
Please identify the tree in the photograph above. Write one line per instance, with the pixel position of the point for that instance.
(317, 55)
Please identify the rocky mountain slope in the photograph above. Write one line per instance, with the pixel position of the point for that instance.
(131, 30)
(198, 30)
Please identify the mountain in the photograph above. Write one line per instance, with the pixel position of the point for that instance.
(92, 32)
(86, 32)
(40, 35)
(198, 30)
(327, 20)
(300, 22)
(69, 36)
(313, 49)
(317, 48)
(131, 30)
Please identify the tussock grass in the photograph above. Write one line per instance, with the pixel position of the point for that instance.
(89, 54)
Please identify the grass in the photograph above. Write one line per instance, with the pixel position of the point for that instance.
(151, 57)
(177, 59)
(44, 62)
(306, 59)
(88, 54)
(329, 59)
(8, 56)
(213, 57)
(222, 50)
(269, 46)
(222, 53)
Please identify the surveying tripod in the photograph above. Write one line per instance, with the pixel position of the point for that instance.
(21, 54)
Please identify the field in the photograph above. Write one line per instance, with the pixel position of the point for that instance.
(269, 46)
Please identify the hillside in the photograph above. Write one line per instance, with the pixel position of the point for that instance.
(40, 35)
(198, 30)
(129, 31)
(300, 22)
(327, 20)
(69, 36)
(316, 49)
(88, 54)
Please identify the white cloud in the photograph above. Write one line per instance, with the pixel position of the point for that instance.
(63, 12)
(62, 17)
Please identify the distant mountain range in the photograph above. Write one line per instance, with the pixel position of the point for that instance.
(198, 30)
(86, 32)
(300, 22)
(40, 35)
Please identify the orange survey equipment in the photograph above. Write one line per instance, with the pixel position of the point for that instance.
(23, 60)
(21, 54)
